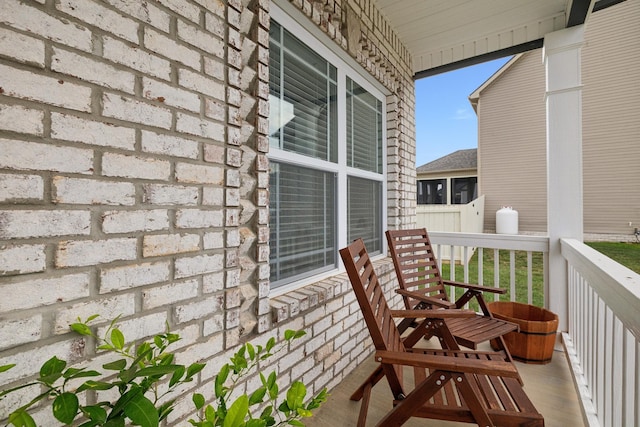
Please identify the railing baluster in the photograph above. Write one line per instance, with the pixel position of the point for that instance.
(496, 268)
(529, 277)
(512, 274)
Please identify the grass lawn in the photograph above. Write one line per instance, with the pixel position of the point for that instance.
(627, 254)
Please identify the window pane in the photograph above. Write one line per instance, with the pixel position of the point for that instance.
(432, 192)
(465, 190)
(303, 98)
(365, 212)
(364, 129)
(302, 221)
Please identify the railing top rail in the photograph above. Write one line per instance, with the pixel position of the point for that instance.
(519, 242)
(618, 286)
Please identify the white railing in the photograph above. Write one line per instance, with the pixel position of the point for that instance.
(603, 338)
(469, 242)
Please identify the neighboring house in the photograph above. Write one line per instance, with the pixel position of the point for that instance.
(512, 131)
(449, 180)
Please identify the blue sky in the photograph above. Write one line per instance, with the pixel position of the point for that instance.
(445, 120)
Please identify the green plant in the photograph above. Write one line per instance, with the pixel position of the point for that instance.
(144, 377)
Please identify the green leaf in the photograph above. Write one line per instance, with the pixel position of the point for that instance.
(251, 350)
(118, 365)
(209, 413)
(237, 412)
(270, 344)
(51, 370)
(198, 400)
(81, 328)
(256, 422)
(157, 370)
(257, 396)
(141, 411)
(90, 318)
(79, 373)
(95, 413)
(4, 368)
(296, 423)
(289, 334)
(117, 339)
(65, 407)
(20, 418)
(221, 378)
(295, 395)
(165, 409)
(94, 385)
(194, 368)
(115, 422)
(177, 376)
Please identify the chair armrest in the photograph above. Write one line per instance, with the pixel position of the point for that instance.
(448, 363)
(479, 288)
(427, 299)
(433, 314)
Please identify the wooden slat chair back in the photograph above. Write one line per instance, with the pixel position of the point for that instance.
(454, 385)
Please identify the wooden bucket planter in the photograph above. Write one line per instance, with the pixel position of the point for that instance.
(537, 337)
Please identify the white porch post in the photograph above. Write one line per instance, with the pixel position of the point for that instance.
(562, 58)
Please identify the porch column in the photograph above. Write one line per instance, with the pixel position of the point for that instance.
(562, 58)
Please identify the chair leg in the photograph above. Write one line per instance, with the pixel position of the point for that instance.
(372, 380)
(364, 406)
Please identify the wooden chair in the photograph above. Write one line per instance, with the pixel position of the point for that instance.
(422, 287)
(467, 386)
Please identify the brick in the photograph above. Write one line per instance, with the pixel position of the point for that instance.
(108, 309)
(18, 15)
(72, 128)
(20, 331)
(213, 240)
(198, 309)
(149, 13)
(21, 224)
(201, 39)
(22, 259)
(17, 118)
(183, 8)
(130, 221)
(170, 145)
(135, 167)
(213, 324)
(214, 153)
(14, 188)
(92, 191)
(43, 292)
(21, 48)
(196, 126)
(169, 244)
(158, 194)
(136, 58)
(129, 277)
(169, 95)
(88, 69)
(167, 295)
(161, 44)
(89, 252)
(199, 174)
(101, 17)
(132, 110)
(25, 155)
(212, 196)
(36, 87)
(214, 68)
(192, 266)
(215, 282)
(201, 83)
(197, 218)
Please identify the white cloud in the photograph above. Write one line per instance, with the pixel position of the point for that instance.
(463, 114)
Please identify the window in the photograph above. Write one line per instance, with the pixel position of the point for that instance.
(327, 165)
(432, 192)
(465, 190)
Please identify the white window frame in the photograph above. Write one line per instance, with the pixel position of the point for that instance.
(295, 22)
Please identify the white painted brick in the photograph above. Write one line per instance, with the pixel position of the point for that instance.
(90, 252)
(36, 87)
(196, 126)
(161, 44)
(214, 282)
(149, 13)
(213, 324)
(68, 350)
(72, 128)
(197, 218)
(183, 8)
(129, 277)
(158, 194)
(25, 155)
(21, 48)
(214, 68)
(140, 328)
(21, 259)
(88, 69)
(21, 224)
(132, 110)
(215, 24)
(170, 145)
(135, 167)
(108, 309)
(201, 83)
(167, 295)
(128, 221)
(21, 187)
(201, 308)
(20, 331)
(199, 174)
(136, 58)
(186, 267)
(18, 15)
(21, 398)
(17, 118)
(168, 244)
(169, 95)
(43, 292)
(101, 17)
(214, 240)
(212, 196)
(200, 39)
(92, 191)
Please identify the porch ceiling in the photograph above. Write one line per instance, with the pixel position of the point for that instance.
(448, 34)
